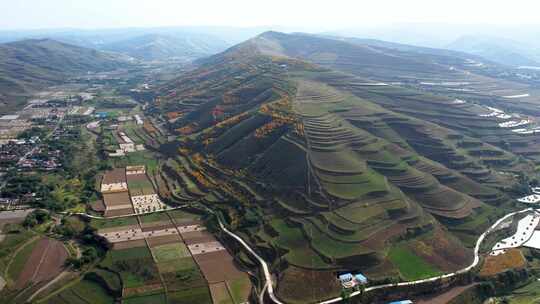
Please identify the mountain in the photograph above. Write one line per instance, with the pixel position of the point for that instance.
(503, 51)
(303, 146)
(33, 64)
(184, 47)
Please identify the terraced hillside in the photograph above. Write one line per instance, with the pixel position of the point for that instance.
(323, 171)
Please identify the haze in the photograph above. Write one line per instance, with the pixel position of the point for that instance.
(303, 14)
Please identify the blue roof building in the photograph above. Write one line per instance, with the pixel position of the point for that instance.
(360, 278)
(402, 302)
(102, 114)
(347, 277)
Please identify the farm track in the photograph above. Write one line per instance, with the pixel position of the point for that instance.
(16, 252)
(43, 256)
(51, 282)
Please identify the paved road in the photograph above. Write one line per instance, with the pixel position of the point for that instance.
(448, 275)
(269, 282)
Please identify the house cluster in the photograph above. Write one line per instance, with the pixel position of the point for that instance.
(518, 125)
(138, 119)
(79, 110)
(42, 160)
(349, 280)
(12, 150)
(514, 123)
(126, 145)
(494, 112)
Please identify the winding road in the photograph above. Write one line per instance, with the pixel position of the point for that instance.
(268, 286)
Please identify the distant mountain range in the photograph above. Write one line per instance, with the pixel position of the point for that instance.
(144, 43)
(33, 64)
(501, 50)
(161, 47)
(508, 45)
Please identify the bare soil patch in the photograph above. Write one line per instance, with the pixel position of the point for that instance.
(219, 293)
(445, 297)
(116, 199)
(196, 237)
(117, 175)
(218, 266)
(512, 259)
(163, 240)
(119, 212)
(445, 253)
(53, 262)
(45, 262)
(143, 289)
(300, 285)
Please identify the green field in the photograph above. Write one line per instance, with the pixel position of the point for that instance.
(139, 158)
(83, 292)
(183, 216)
(111, 223)
(155, 217)
(183, 279)
(528, 294)
(130, 253)
(239, 288)
(299, 252)
(411, 266)
(138, 186)
(176, 265)
(147, 299)
(18, 262)
(170, 252)
(14, 239)
(200, 295)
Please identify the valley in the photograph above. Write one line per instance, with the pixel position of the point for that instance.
(289, 168)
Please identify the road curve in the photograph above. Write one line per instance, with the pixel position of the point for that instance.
(448, 275)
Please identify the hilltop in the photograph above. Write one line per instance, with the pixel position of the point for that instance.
(184, 47)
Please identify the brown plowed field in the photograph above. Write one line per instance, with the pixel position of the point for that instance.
(45, 262)
(129, 244)
(218, 266)
(157, 227)
(119, 212)
(116, 199)
(197, 237)
(165, 239)
(114, 176)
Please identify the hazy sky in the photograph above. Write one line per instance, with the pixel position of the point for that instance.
(316, 14)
